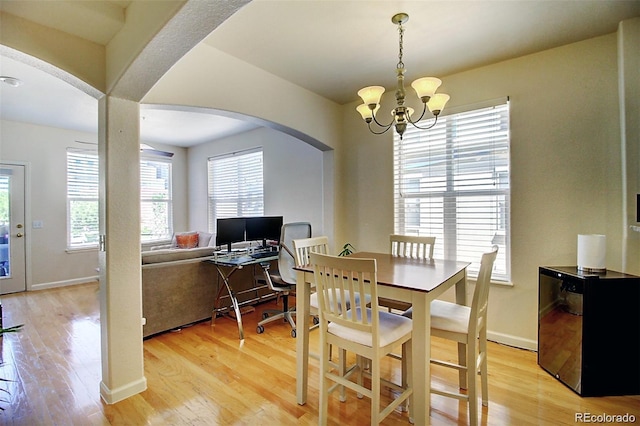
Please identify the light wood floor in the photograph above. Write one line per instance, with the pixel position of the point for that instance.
(202, 376)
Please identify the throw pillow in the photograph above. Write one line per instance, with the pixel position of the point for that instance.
(204, 238)
(185, 241)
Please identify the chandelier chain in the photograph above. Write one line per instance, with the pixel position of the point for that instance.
(400, 47)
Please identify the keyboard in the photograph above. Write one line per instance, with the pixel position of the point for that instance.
(263, 254)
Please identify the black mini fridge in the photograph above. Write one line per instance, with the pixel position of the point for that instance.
(589, 330)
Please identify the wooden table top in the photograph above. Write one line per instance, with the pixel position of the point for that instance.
(406, 272)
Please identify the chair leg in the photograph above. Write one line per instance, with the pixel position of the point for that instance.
(484, 378)
(472, 372)
(462, 360)
(405, 362)
(360, 362)
(324, 385)
(342, 368)
(375, 391)
(407, 371)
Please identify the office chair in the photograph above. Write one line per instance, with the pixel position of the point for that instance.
(283, 281)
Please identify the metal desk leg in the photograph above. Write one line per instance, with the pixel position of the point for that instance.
(234, 299)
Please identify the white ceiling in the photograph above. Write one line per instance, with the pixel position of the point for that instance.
(332, 48)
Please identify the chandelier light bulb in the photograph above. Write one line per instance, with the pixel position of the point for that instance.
(366, 112)
(437, 102)
(426, 87)
(371, 95)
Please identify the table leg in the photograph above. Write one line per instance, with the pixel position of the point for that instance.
(234, 301)
(421, 348)
(303, 289)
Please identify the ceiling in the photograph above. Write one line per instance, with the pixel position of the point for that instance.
(332, 48)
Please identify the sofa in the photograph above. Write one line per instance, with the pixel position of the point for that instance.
(179, 288)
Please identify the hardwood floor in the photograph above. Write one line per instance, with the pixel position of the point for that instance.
(203, 376)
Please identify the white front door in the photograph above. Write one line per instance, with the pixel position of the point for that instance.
(12, 229)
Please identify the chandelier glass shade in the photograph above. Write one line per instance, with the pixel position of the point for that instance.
(424, 87)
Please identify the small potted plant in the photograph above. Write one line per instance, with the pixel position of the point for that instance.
(347, 249)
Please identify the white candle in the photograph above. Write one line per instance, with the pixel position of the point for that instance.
(592, 252)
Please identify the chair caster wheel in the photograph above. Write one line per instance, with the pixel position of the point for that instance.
(316, 320)
(293, 334)
(260, 329)
(265, 315)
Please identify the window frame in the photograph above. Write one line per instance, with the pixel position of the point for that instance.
(225, 199)
(90, 184)
(168, 201)
(440, 195)
(92, 154)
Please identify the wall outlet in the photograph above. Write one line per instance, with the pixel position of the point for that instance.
(37, 224)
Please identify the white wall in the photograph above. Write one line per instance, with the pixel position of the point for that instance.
(293, 176)
(565, 169)
(43, 149)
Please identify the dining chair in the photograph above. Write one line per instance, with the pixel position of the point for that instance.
(412, 246)
(283, 281)
(420, 247)
(467, 325)
(303, 248)
(363, 329)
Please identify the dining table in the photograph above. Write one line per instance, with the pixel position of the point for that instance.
(407, 279)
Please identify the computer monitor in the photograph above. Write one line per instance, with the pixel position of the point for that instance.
(230, 230)
(263, 228)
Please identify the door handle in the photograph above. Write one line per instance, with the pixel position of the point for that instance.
(19, 234)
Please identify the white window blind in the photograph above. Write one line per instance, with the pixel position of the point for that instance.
(235, 185)
(452, 182)
(155, 200)
(82, 198)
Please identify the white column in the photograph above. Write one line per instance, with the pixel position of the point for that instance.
(120, 270)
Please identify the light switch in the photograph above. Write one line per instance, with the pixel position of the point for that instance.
(37, 224)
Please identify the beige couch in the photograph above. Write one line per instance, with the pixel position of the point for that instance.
(179, 288)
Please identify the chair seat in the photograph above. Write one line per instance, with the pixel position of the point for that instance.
(278, 283)
(392, 328)
(446, 316)
(450, 316)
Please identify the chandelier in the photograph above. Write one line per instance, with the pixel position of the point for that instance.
(425, 89)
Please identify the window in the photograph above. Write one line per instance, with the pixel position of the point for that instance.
(235, 185)
(452, 182)
(82, 199)
(156, 217)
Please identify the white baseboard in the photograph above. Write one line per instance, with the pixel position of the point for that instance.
(54, 284)
(515, 341)
(111, 396)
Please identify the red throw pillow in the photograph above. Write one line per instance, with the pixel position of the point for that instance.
(187, 240)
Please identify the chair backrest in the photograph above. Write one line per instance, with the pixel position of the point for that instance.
(339, 279)
(478, 316)
(412, 246)
(286, 257)
(305, 246)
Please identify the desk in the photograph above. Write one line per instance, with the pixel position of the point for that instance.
(416, 281)
(226, 266)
